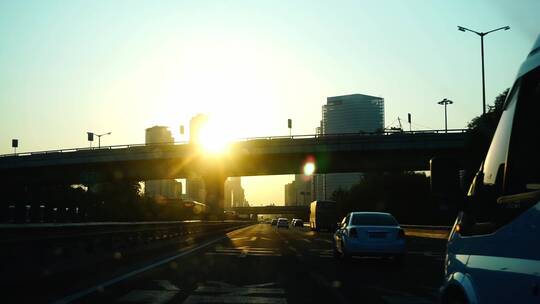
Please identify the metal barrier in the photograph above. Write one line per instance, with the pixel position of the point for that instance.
(427, 227)
(125, 146)
(37, 251)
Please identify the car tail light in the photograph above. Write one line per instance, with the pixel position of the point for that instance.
(353, 233)
(401, 234)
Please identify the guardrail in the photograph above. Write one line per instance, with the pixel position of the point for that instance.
(427, 227)
(304, 136)
(21, 233)
(425, 231)
(40, 250)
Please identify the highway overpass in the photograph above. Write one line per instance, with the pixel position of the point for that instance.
(261, 156)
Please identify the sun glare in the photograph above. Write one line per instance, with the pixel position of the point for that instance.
(214, 137)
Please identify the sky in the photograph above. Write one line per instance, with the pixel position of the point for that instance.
(69, 67)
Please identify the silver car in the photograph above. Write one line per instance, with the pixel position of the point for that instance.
(369, 234)
(283, 222)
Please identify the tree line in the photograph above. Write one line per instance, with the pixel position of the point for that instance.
(114, 201)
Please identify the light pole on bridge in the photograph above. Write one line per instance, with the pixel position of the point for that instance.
(91, 137)
(444, 103)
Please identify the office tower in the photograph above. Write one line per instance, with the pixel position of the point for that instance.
(161, 189)
(234, 193)
(356, 113)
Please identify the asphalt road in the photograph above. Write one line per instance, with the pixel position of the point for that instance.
(263, 264)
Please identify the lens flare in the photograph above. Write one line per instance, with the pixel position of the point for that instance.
(309, 168)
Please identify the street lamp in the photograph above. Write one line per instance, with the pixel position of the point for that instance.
(482, 34)
(91, 137)
(444, 103)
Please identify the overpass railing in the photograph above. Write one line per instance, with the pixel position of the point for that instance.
(305, 136)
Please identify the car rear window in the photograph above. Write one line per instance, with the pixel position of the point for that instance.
(373, 220)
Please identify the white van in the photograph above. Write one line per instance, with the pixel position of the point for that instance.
(493, 253)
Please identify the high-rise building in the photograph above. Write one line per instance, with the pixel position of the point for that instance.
(195, 125)
(303, 189)
(290, 194)
(158, 135)
(298, 192)
(356, 113)
(318, 188)
(234, 193)
(195, 187)
(161, 189)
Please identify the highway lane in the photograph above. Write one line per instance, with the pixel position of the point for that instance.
(263, 264)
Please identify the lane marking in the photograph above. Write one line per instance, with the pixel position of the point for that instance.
(220, 292)
(148, 296)
(265, 254)
(407, 300)
(436, 255)
(221, 253)
(298, 254)
(239, 291)
(244, 251)
(188, 250)
(239, 238)
(166, 285)
(323, 240)
(323, 253)
(195, 299)
(306, 240)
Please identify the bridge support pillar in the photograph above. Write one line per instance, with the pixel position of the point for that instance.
(215, 195)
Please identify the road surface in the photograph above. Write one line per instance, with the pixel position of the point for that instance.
(264, 264)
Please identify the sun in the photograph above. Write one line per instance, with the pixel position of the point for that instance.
(214, 137)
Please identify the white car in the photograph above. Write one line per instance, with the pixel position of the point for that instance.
(369, 234)
(283, 222)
